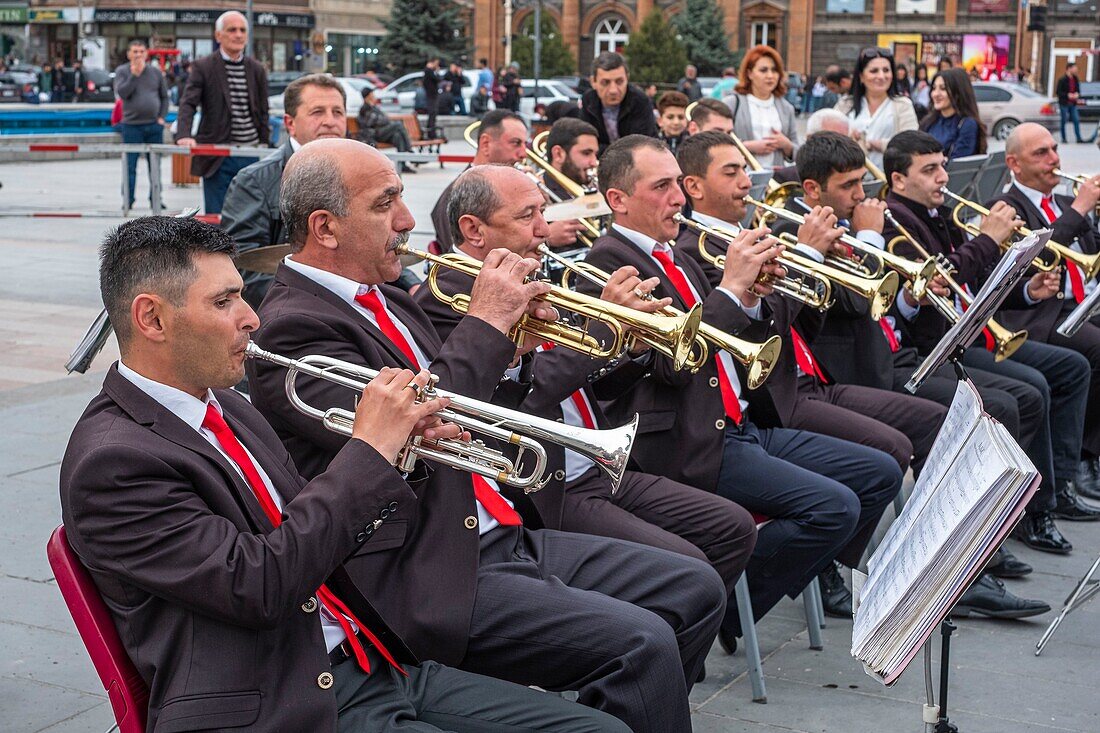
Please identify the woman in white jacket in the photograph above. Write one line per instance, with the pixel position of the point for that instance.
(876, 109)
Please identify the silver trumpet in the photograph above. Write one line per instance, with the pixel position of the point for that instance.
(608, 449)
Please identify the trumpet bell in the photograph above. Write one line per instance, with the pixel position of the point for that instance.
(764, 360)
(686, 336)
(1005, 342)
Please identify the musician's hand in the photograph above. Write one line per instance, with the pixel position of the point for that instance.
(1045, 285)
(770, 272)
(186, 142)
(1001, 222)
(564, 233)
(1088, 194)
(869, 214)
(388, 412)
(939, 286)
(820, 230)
(745, 257)
(543, 311)
(625, 288)
(501, 293)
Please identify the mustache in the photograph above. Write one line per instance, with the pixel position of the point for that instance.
(400, 239)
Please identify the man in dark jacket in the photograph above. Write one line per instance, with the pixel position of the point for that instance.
(1068, 91)
(614, 107)
(430, 84)
(375, 126)
(457, 80)
(231, 89)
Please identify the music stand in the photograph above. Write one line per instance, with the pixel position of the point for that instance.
(759, 190)
(962, 173)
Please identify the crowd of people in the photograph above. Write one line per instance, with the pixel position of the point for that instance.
(271, 570)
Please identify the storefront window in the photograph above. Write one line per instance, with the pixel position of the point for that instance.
(845, 6)
(350, 54)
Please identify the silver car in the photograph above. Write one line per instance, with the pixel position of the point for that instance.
(1004, 105)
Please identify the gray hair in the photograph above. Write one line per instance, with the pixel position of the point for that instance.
(310, 183)
(219, 24)
(816, 123)
(473, 194)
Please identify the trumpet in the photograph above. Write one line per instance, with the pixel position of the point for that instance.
(758, 358)
(917, 274)
(673, 337)
(1077, 181)
(1089, 264)
(1005, 342)
(608, 449)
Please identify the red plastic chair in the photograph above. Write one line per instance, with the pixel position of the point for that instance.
(126, 689)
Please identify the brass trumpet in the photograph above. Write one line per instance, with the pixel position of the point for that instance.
(758, 359)
(608, 449)
(1089, 264)
(672, 336)
(1005, 342)
(1077, 181)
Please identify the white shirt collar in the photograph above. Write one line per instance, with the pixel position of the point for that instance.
(294, 144)
(344, 288)
(645, 243)
(186, 407)
(227, 57)
(1035, 197)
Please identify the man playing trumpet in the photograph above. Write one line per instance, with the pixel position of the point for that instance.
(627, 626)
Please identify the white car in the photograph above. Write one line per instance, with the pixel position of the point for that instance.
(353, 89)
(400, 94)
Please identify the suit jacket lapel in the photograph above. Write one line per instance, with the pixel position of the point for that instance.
(648, 268)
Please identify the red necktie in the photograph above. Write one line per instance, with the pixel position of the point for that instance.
(891, 337)
(579, 400)
(494, 503)
(730, 401)
(805, 358)
(1076, 277)
(344, 616)
(370, 301)
(990, 342)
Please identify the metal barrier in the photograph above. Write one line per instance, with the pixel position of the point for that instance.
(155, 151)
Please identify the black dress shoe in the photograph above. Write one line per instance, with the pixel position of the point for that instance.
(727, 641)
(1088, 478)
(1004, 564)
(836, 599)
(1068, 505)
(1038, 531)
(989, 597)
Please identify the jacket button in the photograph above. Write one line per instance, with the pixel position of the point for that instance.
(324, 680)
(471, 522)
(713, 381)
(559, 475)
(720, 424)
(385, 514)
(361, 537)
(393, 506)
(310, 606)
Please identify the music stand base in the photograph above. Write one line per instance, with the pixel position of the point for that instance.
(1086, 588)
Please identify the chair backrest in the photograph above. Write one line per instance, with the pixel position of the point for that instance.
(992, 179)
(127, 691)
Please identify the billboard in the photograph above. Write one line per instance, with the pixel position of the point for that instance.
(991, 6)
(844, 6)
(986, 52)
(916, 7)
(938, 45)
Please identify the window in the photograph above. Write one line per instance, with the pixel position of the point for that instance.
(611, 35)
(762, 33)
(991, 94)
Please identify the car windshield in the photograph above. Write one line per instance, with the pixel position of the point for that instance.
(357, 84)
(1021, 90)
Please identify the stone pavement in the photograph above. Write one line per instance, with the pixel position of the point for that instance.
(47, 683)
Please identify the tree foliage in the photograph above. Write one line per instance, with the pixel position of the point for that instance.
(420, 29)
(701, 26)
(654, 53)
(557, 59)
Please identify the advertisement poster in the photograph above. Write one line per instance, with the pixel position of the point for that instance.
(906, 47)
(990, 6)
(938, 45)
(916, 7)
(844, 6)
(986, 52)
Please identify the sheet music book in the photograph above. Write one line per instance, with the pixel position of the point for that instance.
(1004, 276)
(583, 207)
(90, 346)
(1085, 310)
(972, 491)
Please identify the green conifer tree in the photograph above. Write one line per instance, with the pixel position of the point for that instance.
(654, 53)
(557, 59)
(419, 29)
(701, 25)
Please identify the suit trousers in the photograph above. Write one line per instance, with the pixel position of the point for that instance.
(626, 626)
(902, 425)
(824, 497)
(1087, 343)
(1062, 378)
(436, 698)
(659, 512)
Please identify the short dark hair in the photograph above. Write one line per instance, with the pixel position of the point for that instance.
(694, 154)
(837, 75)
(617, 162)
(493, 122)
(705, 107)
(292, 97)
(609, 61)
(472, 194)
(137, 42)
(564, 134)
(153, 254)
(562, 109)
(902, 147)
(825, 153)
(672, 99)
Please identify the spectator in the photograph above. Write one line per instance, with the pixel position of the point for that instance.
(430, 84)
(725, 85)
(762, 116)
(77, 88)
(231, 90)
(375, 127)
(479, 103)
(838, 82)
(817, 94)
(499, 89)
(445, 102)
(689, 85)
(559, 109)
(143, 92)
(954, 119)
(513, 89)
(613, 106)
(651, 95)
(672, 119)
(1068, 91)
(484, 77)
(457, 80)
(944, 63)
(904, 87)
(877, 111)
(57, 82)
(922, 90)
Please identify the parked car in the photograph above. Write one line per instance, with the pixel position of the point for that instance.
(353, 90)
(707, 84)
(11, 89)
(1004, 105)
(278, 81)
(400, 94)
(1089, 102)
(29, 91)
(99, 85)
(536, 100)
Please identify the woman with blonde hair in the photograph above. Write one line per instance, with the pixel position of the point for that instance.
(762, 117)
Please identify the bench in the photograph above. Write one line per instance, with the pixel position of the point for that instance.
(412, 126)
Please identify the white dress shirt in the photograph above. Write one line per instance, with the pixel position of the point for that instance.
(347, 290)
(192, 411)
(765, 118)
(648, 245)
(1036, 198)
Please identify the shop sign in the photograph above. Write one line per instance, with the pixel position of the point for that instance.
(845, 6)
(286, 20)
(52, 15)
(103, 15)
(13, 14)
(916, 7)
(991, 6)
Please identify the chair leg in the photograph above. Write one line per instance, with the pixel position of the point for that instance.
(113, 728)
(811, 598)
(748, 636)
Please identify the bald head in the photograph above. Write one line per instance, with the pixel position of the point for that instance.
(1032, 156)
(1024, 136)
(496, 206)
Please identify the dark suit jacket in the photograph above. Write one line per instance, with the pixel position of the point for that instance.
(555, 375)
(208, 88)
(422, 575)
(635, 115)
(1041, 320)
(682, 421)
(207, 596)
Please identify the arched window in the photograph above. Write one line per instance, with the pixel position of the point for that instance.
(611, 35)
